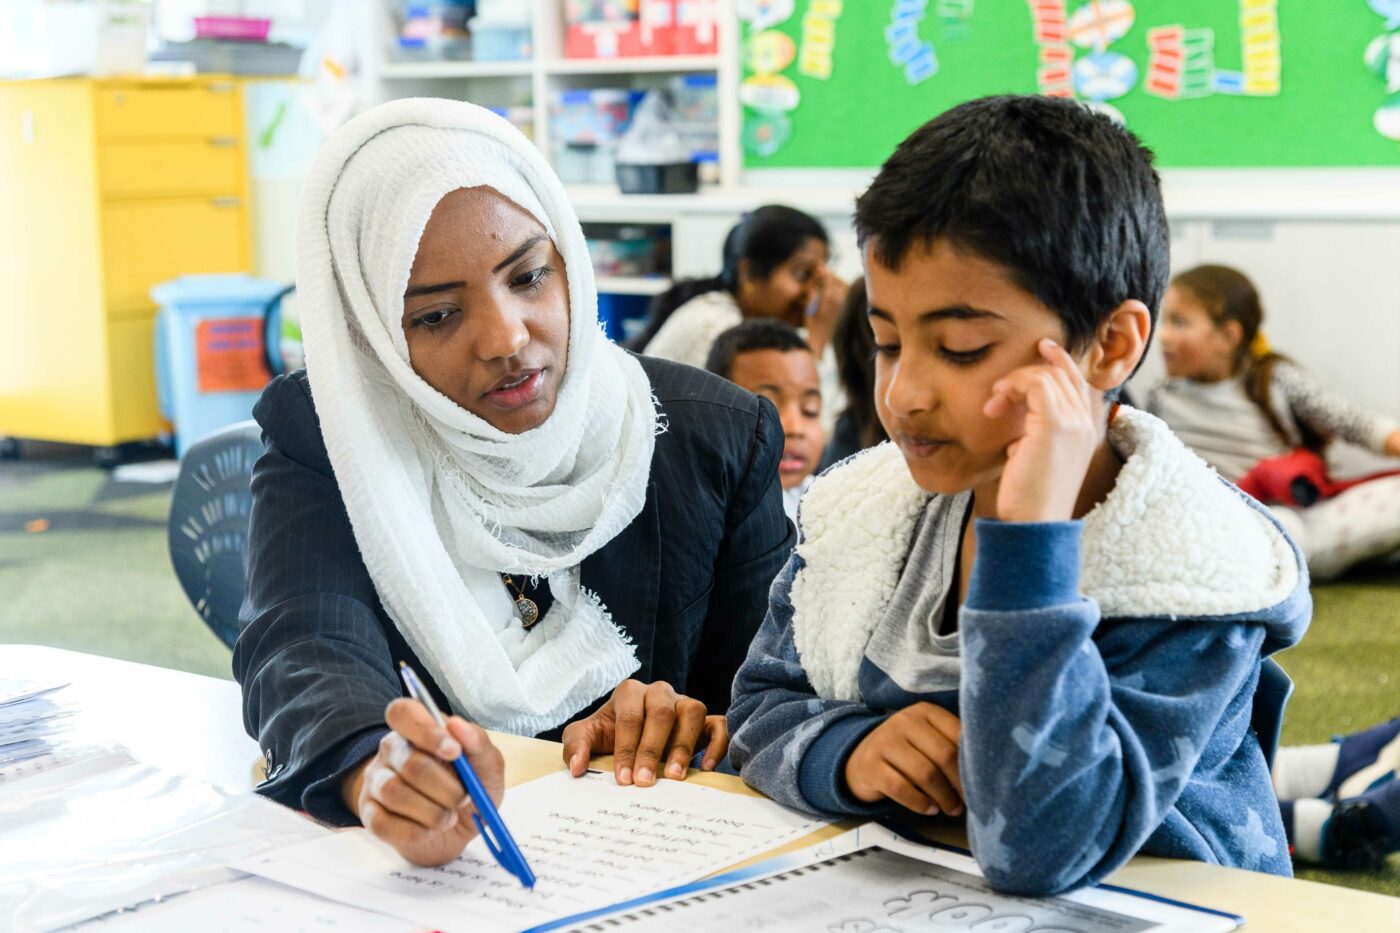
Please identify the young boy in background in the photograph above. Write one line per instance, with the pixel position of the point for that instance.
(1031, 602)
(771, 359)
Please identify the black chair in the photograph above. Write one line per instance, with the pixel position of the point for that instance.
(1270, 697)
(208, 526)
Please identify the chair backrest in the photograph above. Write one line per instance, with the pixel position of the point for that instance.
(208, 527)
(1270, 697)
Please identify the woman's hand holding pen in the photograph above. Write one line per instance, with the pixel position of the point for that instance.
(408, 794)
(642, 725)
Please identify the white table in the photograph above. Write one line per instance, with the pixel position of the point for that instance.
(182, 722)
(193, 724)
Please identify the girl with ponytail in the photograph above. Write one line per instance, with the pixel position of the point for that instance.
(1253, 413)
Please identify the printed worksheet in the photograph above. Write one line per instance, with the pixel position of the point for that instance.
(249, 905)
(589, 842)
(871, 880)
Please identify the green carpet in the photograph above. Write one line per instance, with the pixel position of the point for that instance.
(99, 580)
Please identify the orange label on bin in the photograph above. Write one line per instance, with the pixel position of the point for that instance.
(229, 355)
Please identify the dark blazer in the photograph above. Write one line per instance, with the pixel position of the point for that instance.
(687, 579)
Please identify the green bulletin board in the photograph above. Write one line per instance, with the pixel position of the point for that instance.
(1241, 83)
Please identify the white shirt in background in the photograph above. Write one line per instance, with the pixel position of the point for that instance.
(693, 328)
(793, 496)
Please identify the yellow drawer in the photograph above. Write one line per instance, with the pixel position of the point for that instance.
(127, 169)
(135, 411)
(167, 109)
(147, 242)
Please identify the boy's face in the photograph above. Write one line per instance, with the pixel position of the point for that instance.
(789, 380)
(948, 324)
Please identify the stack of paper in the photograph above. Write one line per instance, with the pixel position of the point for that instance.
(31, 722)
(100, 831)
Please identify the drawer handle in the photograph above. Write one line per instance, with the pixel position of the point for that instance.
(224, 142)
(225, 202)
(220, 87)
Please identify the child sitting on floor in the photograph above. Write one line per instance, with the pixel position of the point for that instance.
(1341, 800)
(771, 359)
(1029, 601)
(1243, 408)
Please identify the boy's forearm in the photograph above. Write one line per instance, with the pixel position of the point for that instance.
(1092, 732)
(776, 718)
(1034, 701)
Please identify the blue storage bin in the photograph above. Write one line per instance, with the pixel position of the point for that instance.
(614, 311)
(500, 41)
(210, 356)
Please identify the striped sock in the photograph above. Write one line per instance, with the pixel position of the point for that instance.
(1305, 823)
(1304, 771)
(1365, 760)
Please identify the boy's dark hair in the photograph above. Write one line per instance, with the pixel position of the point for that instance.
(1066, 200)
(767, 237)
(749, 337)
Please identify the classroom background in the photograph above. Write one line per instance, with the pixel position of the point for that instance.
(152, 153)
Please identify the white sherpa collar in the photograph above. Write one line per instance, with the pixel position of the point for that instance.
(1170, 540)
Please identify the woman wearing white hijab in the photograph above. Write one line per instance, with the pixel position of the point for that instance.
(487, 489)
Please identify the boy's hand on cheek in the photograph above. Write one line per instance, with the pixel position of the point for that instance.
(912, 759)
(1046, 465)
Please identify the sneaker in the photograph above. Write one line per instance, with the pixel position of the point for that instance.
(1358, 836)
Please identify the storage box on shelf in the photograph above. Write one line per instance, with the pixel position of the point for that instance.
(584, 127)
(616, 28)
(501, 31)
(113, 186)
(629, 250)
(431, 31)
(633, 263)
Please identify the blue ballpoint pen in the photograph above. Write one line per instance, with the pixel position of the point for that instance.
(502, 846)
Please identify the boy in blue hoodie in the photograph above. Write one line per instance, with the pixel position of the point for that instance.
(1031, 604)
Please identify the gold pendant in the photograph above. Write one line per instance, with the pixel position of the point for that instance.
(529, 612)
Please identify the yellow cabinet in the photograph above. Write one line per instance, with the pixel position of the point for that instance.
(149, 241)
(166, 109)
(107, 187)
(143, 168)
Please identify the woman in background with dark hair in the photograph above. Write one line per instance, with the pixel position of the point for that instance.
(775, 266)
(853, 344)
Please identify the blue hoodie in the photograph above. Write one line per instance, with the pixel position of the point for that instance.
(1104, 669)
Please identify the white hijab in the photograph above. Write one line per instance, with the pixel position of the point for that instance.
(440, 501)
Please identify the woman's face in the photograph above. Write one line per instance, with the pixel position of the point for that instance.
(788, 290)
(486, 311)
(1194, 346)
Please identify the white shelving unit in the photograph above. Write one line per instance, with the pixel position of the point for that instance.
(505, 83)
(391, 71)
(632, 284)
(535, 82)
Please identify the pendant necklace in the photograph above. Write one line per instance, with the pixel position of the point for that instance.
(529, 612)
